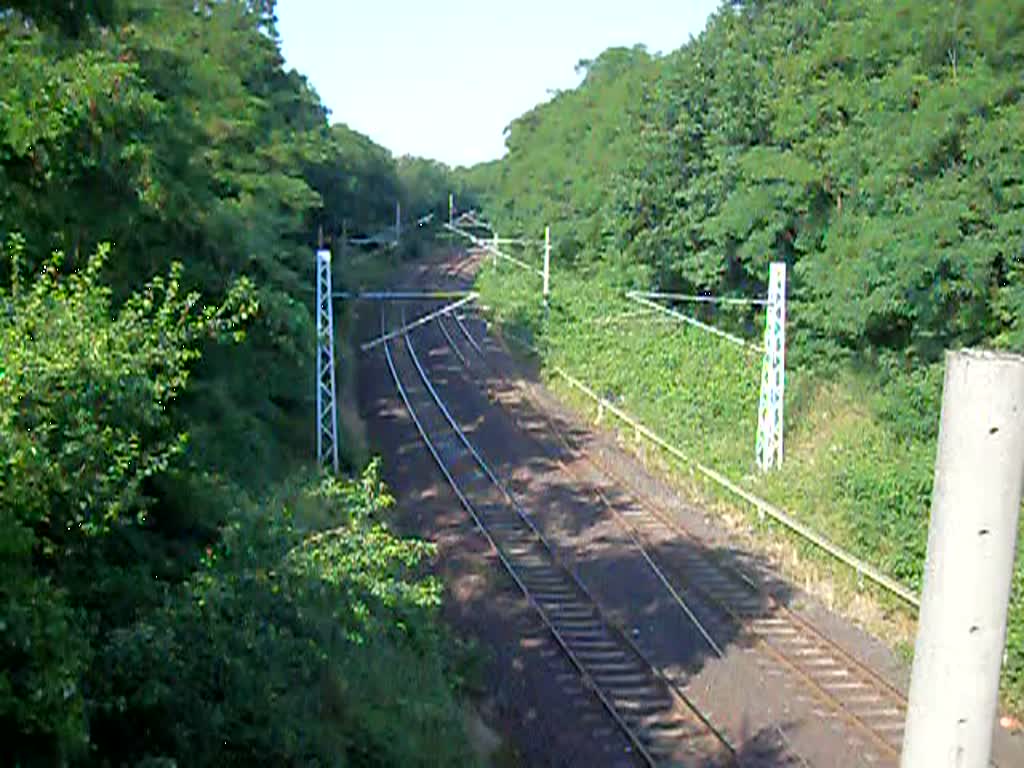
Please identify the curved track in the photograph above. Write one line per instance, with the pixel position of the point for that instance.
(849, 690)
(660, 722)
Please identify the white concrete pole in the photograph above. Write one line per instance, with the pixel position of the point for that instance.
(398, 221)
(547, 262)
(979, 473)
(451, 207)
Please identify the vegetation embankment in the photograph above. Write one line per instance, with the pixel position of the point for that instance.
(178, 585)
(876, 149)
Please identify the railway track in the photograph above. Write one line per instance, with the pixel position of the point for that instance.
(847, 689)
(662, 725)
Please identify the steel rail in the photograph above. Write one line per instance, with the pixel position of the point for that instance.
(674, 694)
(764, 508)
(635, 534)
(525, 517)
(775, 608)
(882, 687)
(469, 337)
(655, 568)
(631, 530)
(546, 620)
(468, 506)
(451, 342)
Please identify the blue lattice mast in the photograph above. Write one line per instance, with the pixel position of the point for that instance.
(773, 373)
(326, 411)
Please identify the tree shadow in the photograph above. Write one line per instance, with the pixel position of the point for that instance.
(591, 543)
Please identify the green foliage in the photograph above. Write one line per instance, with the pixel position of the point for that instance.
(83, 425)
(860, 447)
(71, 16)
(362, 200)
(759, 141)
(425, 186)
(1013, 668)
(334, 620)
(83, 398)
(174, 131)
(561, 156)
(875, 147)
(151, 612)
(278, 635)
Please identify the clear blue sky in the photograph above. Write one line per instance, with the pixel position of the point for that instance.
(443, 79)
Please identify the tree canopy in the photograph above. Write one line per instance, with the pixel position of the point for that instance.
(178, 587)
(873, 146)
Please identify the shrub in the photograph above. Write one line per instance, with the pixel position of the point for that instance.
(84, 394)
(288, 645)
(200, 628)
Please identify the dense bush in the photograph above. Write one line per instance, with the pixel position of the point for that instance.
(873, 146)
(876, 148)
(84, 394)
(159, 604)
(173, 130)
(294, 629)
(288, 644)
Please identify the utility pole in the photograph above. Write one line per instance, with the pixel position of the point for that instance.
(976, 500)
(398, 221)
(451, 209)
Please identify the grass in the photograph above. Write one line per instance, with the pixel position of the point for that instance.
(860, 444)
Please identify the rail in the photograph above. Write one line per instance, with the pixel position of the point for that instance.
(631, 734)
(468, 506)
(764, 508)
(638, 545)
(777, 628)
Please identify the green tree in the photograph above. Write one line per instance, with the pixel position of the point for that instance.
(84, 395)
(152, 583)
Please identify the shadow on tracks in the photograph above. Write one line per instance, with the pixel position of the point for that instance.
(589, 542)
(649, 588)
